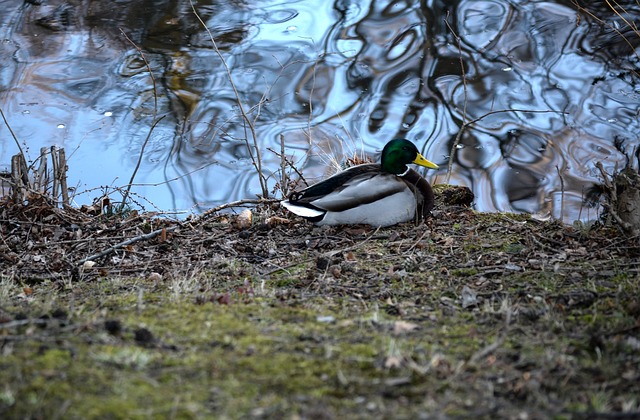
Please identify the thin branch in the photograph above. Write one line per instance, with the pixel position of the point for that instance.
(465, 123)
(40, 176)
(153, 126)
(288, 162)
(139, 238)
(631, 25)
(284, 179)
(153, 79)
(238, 203)
(464, 105)
(612, 27)
(311, 91)
(257, 158)
(55, 163)
(62, 168)
(13, 135)
(135, 170)
(561, 192)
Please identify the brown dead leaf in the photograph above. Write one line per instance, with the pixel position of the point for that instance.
(349, 256)
(356, 231)
(275, 220)
(163, 235)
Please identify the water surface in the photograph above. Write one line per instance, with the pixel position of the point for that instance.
(550, 87)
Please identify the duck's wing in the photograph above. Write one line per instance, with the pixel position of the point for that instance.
(334, 183)
(361, 190)
(358, 185)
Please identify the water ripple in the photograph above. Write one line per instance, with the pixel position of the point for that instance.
(549, 91)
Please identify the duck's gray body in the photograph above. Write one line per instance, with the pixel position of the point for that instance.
(364, 194)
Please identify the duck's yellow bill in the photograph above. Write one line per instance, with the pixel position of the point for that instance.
(420, 160)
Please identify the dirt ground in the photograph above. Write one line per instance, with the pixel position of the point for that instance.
(464, 315)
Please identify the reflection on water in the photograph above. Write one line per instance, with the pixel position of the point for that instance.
(549, 89)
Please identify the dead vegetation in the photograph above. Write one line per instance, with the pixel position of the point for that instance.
(468, 314)
(621, 192)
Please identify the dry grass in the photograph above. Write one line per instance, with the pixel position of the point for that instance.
(465, 315)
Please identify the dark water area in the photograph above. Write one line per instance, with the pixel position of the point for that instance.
(553, 88)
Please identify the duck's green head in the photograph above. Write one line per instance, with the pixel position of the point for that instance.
(400, 152)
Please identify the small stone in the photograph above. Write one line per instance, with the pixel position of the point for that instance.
(155, 277)
(87, 265)
(244, 219)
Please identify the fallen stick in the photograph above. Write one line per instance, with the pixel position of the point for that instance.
(238, 203)
(144, 237)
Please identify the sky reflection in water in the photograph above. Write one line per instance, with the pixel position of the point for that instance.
(333, 79)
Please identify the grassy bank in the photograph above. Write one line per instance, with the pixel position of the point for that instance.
(467, 315)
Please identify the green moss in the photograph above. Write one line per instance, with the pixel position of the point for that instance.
(464, 272)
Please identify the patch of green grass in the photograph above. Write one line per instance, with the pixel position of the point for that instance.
(464, 272)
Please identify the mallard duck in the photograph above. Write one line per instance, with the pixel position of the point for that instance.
(374, 194)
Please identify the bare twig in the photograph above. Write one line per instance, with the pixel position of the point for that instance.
(153, 79)
(631, 25)
(40, 177)
(56, 170)
(465, 123)
(139, 238)
(253, 147)
(19, 179)
(13, 135)
(62, 173)
(284, 162)
(454, 146)
(135, 170)
(561, 191)
(238, 203)
(313, 86)
(153, 126)
(106, 192)
(284, 179)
